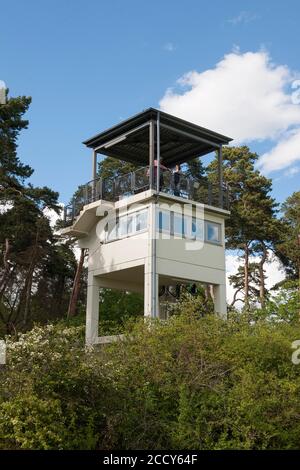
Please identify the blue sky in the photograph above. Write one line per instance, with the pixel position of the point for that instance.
(89, 64)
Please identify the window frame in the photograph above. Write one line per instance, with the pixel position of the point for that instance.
(131, 215)
(173, 232)
(219, 227)
(161, 229)
(141, 211)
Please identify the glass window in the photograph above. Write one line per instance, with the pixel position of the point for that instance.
(126, 225)
(164, 221)
(141, 220)
(213, 232)
(112, 230)
(199, 229)
(177, 224)
(189, 227)
(129, 224)
(122, 232)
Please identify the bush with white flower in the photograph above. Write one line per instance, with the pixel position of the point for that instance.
(191, 382)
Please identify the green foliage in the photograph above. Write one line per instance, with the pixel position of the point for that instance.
(48, 392)
(253, 227)
(35, 271)
(119, 305)
(237, 281)
(12, 171)
(288, 246)
(252, 208)
(190, 382)
(282, 305)
(194, 381)
(112, 167)
(195, 169)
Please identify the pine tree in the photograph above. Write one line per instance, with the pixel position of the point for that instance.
(252, 227)
(25, 232)
(112, 167)
(12, 171)
(288, 247)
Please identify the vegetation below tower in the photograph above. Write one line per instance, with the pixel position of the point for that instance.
(191, 382)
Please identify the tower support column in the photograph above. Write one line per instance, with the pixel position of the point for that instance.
(92, 310)
(151, 304)
(220, 304)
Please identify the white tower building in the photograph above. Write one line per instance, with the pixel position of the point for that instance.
(151, 227)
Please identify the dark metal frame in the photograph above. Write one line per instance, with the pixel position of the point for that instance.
(114, 142)
(129, 141)
(112, 189)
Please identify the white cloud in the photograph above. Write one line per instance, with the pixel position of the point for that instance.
(292, 171)
(5, 206)
(244, 96)
(52, 215)
(243, 17)
(284, 154)
(273, 271)
(232, 264)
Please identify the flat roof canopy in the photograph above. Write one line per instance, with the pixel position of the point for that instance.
(180, 140)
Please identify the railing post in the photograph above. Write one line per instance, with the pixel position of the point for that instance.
(220, 176)
(101, 188)
(172, 185)
(158, 153)
(191, 188)
(85, 194)
(151, 154)
(132, 181)
(226, 191)
(94, 173)
(209, 193)
(73, 209)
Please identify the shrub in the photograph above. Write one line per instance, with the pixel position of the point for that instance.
(188, 383)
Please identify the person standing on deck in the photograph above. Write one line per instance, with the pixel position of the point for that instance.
(176, 179)
(163, 169)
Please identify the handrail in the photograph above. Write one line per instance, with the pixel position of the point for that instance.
(114, 188)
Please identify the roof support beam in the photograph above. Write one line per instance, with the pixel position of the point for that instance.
(188, 134)
(181, 153)
(121, 155)
(121, 137)
(157, 153)
(94, 172)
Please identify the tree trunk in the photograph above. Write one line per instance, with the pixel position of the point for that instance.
(28, 287)
(262, 290)
(76, 286)
(246, 276)
(29, 277)
(235, 299)
(208, 292)
(3, 281)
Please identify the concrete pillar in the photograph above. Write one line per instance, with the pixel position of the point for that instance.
(220, 300)
(92, 310)
(151, 304)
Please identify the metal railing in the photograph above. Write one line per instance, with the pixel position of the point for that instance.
(114, 189)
